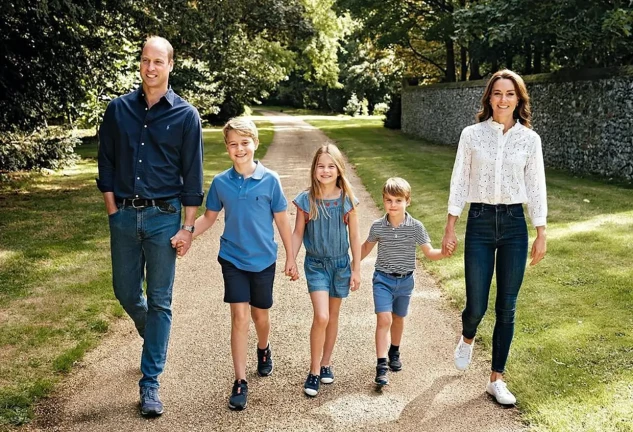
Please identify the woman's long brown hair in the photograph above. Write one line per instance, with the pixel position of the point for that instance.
(523, 111)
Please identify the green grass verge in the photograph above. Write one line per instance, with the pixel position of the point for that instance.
(56, 297)
(571, 364)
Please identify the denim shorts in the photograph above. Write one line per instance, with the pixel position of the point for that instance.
(392, 293)
(241, 286)
(328, 274)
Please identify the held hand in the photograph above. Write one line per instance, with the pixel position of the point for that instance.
(539, 247)
(354, 283)
(291, 269)
(181, 242)
(449, 244)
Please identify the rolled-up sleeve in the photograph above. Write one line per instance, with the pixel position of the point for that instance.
(106, 153)
(460, 179)
(191, 159)
(535, 185)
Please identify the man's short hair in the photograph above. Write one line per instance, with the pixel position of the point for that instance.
(170, 49)
(243, 126)
(397, 187)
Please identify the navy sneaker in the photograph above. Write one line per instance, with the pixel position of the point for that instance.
(394, 361)
(151, 406)
(381, 375)
(237, 401)
(264, 362)
(311, 386)
(326, 374)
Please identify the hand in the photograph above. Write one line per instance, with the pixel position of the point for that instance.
(539, 247)
(291, 269)
(182, 242)
(354, 282)
(449, 243)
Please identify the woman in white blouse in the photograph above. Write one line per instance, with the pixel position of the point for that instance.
(498, 167)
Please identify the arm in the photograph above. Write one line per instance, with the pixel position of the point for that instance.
(460, 178)
(449, 236)
(283, 226)
(297, 235)
(366, 248)
(191, 162)
(354, 239)
(182, 241)
(431, 253)
(539, 247)
(106, 158)
(110, 203)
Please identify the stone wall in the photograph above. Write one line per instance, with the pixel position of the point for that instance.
(584, 118)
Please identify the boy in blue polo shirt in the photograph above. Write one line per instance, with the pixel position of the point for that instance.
(252, 198)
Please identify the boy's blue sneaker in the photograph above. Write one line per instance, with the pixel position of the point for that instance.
(264, 362)
(326, 374)
(237, 401)
(151, 406)
(394, 361)
(311, 386)
(381, 375)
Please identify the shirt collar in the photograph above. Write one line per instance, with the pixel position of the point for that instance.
(408, 220)
(258, 174)
(498, 126)
(169, 96)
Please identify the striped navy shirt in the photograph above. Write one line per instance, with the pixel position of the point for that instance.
(396, 245)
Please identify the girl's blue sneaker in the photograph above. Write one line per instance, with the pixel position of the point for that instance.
(326, 374)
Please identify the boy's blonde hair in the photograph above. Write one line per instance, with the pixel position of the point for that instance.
(314, 191)
(243, 126)
(397, 187)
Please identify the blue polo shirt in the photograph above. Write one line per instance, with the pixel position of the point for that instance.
(248, 241)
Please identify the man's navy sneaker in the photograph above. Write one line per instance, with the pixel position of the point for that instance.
(151, 406)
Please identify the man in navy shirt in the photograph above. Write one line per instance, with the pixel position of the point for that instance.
(150, 167)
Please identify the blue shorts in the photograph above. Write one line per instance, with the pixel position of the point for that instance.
(392, 293)
(328, 274)
(241, 286)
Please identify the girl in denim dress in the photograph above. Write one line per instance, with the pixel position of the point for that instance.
(325, 215)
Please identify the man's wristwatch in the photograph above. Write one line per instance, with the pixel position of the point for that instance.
(190, 228)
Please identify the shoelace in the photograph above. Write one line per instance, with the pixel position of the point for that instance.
(501, 388)
(313, 380)
(327, 370)
(464, 350)
(150, 394)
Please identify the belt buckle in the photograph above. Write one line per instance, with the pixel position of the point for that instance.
(135, 206)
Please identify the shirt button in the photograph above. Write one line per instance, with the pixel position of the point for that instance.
(145, 108)
(136, 196)
(140, 160)
(142, 143)
(138, 178)
(145, 125)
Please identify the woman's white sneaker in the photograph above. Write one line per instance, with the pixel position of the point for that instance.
(500, 392)
(463, 354)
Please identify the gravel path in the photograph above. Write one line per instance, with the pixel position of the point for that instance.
(428, 395)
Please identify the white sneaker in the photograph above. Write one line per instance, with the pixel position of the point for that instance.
(463, 354)
(500, 392)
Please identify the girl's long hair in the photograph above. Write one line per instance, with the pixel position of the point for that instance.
(315, 191)
(523, 111)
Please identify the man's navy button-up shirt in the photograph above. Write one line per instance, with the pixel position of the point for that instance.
(151, 152)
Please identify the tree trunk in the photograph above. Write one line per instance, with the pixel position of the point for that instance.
(463, 53)
(538, 68)
(528, 58)
(450, 61)
(509, 60)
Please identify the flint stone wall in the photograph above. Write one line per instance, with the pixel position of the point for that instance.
(584, 118)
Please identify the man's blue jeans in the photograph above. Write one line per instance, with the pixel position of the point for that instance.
(141, 250)
(490, 230)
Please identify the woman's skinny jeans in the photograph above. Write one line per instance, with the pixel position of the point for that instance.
(491, 229)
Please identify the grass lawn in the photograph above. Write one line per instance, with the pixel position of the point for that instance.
(571, 364)
(56, 298)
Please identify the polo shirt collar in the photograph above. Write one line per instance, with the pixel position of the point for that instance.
(408, 220)
(258, 174)
(169, 96)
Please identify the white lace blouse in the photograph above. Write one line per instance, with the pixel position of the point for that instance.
(496, 168)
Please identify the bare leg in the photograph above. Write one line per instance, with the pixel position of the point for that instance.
(397, 328)
(261, 318)
(383, 326)
(332, 330)
(318, 329)
(239, 338)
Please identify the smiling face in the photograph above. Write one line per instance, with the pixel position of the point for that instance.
(503, 99)
(395, 206)
(326, 171)
(241, 148)
(155, 65)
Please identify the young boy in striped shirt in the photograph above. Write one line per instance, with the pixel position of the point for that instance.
(397, 235)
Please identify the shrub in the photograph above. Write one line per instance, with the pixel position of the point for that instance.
(50, 148)
(380, 109)
(353, 106)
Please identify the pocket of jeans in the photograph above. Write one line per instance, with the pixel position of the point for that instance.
(118, 210)
(170, 209)
(516, 213)
(474, 214)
